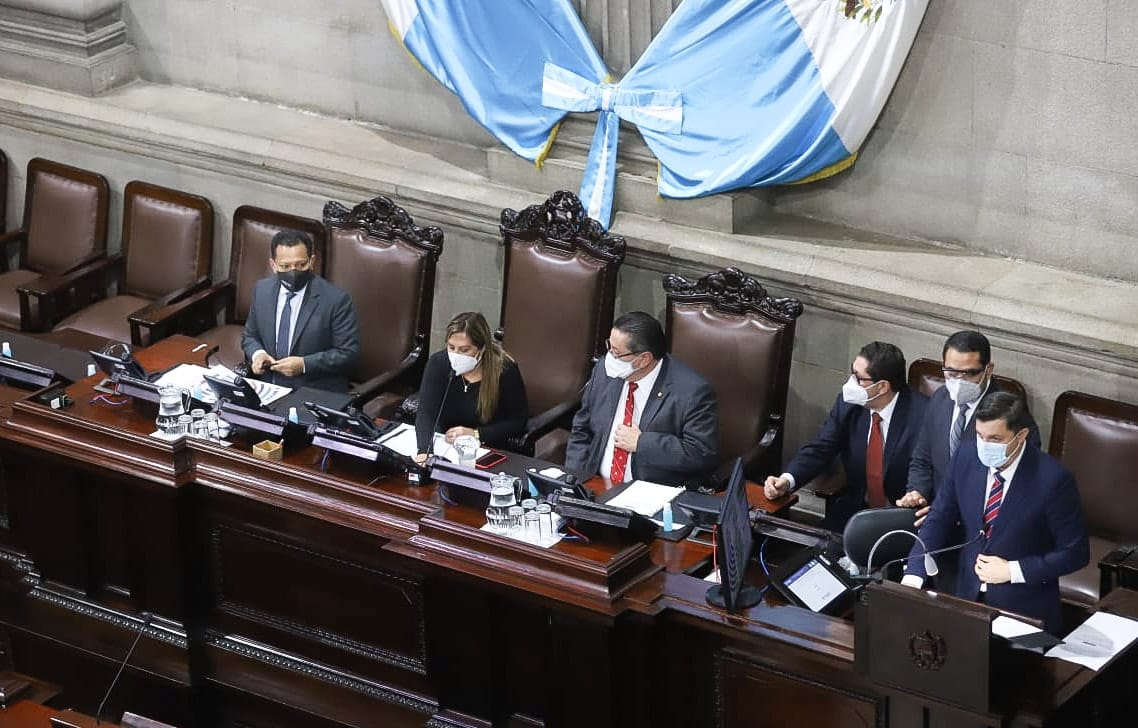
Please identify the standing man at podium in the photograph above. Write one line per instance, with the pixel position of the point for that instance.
(1021, 514)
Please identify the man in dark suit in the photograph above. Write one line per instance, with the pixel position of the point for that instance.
(301, 329)
(1022, 510)
(644, 415)
(949, 425)
(872, 427)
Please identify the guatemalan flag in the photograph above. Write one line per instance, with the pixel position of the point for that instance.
(760, 92)
(490, 53)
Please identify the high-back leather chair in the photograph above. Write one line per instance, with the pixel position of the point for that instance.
(558, 294)
(740, 340)
(167, 241)
(250, 251)
(64, 228)
(1097, 439)
(387, 264)
(3, 192)
(926, 376)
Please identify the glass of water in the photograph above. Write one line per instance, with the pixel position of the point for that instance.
(467, 449)
(501, 499)
(545, 521)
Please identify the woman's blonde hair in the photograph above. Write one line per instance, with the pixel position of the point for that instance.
(494, 358)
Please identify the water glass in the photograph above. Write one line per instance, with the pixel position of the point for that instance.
(467, 448)
(197, 427)
(501, 499)
(212, 426)
(545, 521)
(529, 504)
(515, 514)
(497, 519)
(183, 425)
(531, 529)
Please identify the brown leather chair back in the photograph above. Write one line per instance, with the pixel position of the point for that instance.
(926, 376)
(253, 231)
(558, 294)
(3, 192)
(65, 215)
(740, 340)
(387, 264)
(1097, 439)
(167, 239)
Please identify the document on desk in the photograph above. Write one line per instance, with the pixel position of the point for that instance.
(401, 440)
(645, 498)
(189, 376)
(443, 449)
(1010, 628)
(1096, 641)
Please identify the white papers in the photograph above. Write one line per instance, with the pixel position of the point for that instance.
(1010, 628)
(645, 498)
(1093, 643)
(552, 472)
(189, 376)
(446, 450)
(401, 440)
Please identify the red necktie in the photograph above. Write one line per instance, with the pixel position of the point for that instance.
(619, 454)
(874, 469)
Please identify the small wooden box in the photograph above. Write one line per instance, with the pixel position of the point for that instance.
(268, 450)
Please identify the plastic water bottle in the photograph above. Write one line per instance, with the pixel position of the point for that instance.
(292, 416)
(667, 518)
(6, 350)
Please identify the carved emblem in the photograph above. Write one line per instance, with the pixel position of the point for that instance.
(382, 218)
(927, 650)
(563, 219)
(864, 11)
(732, 291)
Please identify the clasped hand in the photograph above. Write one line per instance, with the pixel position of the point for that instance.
(626, 437)
(993, 569)
(290, 366)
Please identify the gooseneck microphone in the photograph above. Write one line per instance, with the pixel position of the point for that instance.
(451, 374)
(930, 563)
(929, 554)
(146, 619)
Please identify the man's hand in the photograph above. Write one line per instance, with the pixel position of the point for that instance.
(290, 366)
(913, 499)
(456, 432)
(420, 457)
(993, 569)
(627, 436)
(261, 362)
(775, 487)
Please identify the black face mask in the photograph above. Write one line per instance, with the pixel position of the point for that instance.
(294, 280)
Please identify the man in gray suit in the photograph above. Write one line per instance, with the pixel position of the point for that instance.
(644, 415)
(301, 330)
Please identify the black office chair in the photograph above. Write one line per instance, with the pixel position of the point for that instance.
(869, 528)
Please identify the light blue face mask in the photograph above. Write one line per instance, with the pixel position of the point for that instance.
(993, 454)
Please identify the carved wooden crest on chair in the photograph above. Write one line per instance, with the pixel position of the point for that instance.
(387, 264)
(726, 327)
(558, 294)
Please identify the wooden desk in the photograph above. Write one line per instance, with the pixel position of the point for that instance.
(28, 714)
(287, 594)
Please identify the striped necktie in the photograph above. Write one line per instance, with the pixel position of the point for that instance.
(992, 507)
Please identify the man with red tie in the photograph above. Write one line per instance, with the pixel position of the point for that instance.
(872, 428)
(1020, 512)
(644, 415)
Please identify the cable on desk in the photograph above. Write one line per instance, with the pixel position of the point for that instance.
(107, 400)
(324, 460)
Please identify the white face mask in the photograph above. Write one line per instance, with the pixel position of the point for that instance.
(992, 454)
(854, 393)
(463, 363)
(618, 368)
(962, 391)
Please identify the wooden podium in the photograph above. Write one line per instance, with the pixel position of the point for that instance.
(931, 644)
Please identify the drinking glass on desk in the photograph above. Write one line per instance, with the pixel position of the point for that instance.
(173, 402)
(467, 448)
(501, 499)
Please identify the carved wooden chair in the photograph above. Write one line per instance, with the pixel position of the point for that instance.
(740, 340)
(197, 314)
(1097, 439)
(558, 294)
(167, 241)
(64, 228)
(387, 264)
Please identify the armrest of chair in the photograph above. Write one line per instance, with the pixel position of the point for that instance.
(7, 240)
(59, 295)
(369, 390)
(541, 424)
(158, 326)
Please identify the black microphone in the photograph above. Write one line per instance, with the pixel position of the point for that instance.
(934, 552)
(439, 414)
(146, 618)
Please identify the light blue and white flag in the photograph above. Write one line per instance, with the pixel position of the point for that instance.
(742, 93)
(491, 53)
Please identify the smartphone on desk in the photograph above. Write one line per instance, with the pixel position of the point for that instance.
(489, 460)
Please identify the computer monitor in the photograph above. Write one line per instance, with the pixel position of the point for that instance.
(352, 422)
(734, 545)
(236, 390)
(115, 366)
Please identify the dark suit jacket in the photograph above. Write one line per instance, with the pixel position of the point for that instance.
(327, 334)
(1040, 524)
(678, 430)
(845, 434)
(928, 466)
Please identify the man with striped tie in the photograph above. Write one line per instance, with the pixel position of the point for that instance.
(644, 414)
(1022, 518)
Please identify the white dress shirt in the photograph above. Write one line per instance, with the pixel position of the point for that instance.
(297, 300)
(639, 400)
(886, 413)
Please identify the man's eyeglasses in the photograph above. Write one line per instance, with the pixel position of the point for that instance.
(961, 373)
(862, 380)
(625, 355)
(299, 265)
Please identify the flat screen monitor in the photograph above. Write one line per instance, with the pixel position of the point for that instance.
(22, 374)
(236, 390)
(734, 543)
(114, 366)
(352, 422)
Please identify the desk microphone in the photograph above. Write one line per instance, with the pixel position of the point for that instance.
(929, 554)
(439, 414)
(146, 618)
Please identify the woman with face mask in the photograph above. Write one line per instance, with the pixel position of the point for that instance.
(474, 388)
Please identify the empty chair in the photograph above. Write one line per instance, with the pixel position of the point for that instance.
(64, 228)
(739, 339)
(167, 241)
